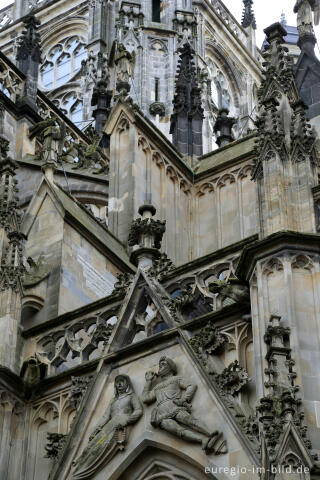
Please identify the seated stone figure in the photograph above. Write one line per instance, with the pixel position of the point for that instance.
(173, 408)
(110, 436)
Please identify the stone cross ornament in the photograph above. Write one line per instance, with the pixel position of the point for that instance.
(173, 412)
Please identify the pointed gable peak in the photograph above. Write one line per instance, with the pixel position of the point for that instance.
(145, 310)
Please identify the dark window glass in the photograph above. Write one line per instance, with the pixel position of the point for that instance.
(156, 7)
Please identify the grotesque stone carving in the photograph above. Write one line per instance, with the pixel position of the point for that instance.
(32, 371)
(233, 378)
(37, 272)
(122, 284)
(173, 396)
(55, 442)
(111, 434)
(78, 389)
(232, 288)
(209, 339)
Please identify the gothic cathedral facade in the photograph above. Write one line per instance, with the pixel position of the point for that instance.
(159, 242)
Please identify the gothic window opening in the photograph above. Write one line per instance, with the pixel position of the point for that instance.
(62, 62)
(72, 107)
(156, 89)
(156, 10)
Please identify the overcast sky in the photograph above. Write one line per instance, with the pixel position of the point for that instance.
(266, 13)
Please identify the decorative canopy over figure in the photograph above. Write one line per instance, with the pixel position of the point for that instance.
(304, 9)
(173, 395)
(110, 435)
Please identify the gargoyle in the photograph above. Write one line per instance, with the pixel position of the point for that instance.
(232, 288)
(38, 271)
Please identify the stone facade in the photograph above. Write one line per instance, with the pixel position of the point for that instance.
(159, 243)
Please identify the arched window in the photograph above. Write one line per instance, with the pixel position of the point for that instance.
(71, 106)
(220, 88)
(62, 62)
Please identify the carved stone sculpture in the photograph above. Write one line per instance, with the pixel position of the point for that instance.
(232, 288)
(125, 63)
(37, 272)
(52, 137)
(78, 389)
(32, 371)
(304, 9)
(208, 340)
(173, 395)
(111, 434)
(233, 378)
(55, 442)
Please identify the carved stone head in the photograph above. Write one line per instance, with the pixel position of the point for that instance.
(122, 384)
(166, 365)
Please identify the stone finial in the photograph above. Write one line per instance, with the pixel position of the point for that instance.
(146, 236)
(29, 44)
(248, 18)
(187, 117)
(275, 32)
(29, 58)
(8, 187)
(223, 127)
(12, 268)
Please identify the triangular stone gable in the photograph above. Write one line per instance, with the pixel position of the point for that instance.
(293, 445)
(143, 310)
(44, 190)
(142, 435)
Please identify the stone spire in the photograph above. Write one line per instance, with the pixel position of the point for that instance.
(29, 58)
(187, 117)
(284, 138)
(11, 261)
(283, 19)
(248, 18)
(146, 236)
(9, 219)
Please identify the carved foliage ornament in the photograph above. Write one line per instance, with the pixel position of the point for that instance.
(146, 226)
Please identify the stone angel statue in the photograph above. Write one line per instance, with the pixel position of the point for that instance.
(304, 10)
(110, 435)
(53, 136)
